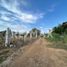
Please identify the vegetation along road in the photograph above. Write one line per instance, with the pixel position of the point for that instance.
(37, 54)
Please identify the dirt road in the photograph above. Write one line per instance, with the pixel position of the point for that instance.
(37, 54)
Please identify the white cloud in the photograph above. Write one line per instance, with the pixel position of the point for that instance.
(45, 30)
(13, 6)
(18, 28)
(3, 17)
(41, 15)
(52, 8)
(29, 18)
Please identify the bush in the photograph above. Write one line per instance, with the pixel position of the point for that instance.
(55, 37)
(59, 41)
(65, 38)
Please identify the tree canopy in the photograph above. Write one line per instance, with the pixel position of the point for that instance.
(60, 29)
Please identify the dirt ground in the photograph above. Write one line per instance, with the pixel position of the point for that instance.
(37, 54)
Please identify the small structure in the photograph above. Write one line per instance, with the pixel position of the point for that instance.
(13, 34)
(50, 33)
(34, 33)
(8, 37)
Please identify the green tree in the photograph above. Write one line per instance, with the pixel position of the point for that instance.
(35, 29)
(60, 29)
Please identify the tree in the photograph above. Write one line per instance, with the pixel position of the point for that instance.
(35, 29)
(60, 29)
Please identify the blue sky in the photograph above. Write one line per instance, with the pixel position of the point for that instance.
(23, 15)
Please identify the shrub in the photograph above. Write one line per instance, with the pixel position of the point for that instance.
(55, 37)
